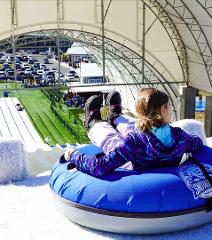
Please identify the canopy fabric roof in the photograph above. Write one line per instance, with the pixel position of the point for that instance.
(163, 43)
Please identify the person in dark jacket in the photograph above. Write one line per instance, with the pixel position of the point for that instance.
(147, 141)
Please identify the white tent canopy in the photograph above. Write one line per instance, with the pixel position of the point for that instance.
(78, 49)
(162, 43)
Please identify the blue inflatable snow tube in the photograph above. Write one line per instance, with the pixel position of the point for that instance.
(155, 191)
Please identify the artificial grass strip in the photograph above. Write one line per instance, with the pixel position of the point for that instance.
(48, 126)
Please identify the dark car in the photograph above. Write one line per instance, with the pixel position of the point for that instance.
(24, 58)
(18, 66)
(49, 81)
(31, 61)
(6, 65)
(21, 75)
(10, 75)
(46, 61)
(2, 75)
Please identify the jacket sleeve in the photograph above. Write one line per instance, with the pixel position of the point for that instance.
(193, 143)
(99, 166)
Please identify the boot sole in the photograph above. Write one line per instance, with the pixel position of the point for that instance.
(109, 97)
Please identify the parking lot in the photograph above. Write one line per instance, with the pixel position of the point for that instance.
(35, 70)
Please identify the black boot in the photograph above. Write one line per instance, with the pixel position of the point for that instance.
(92, 111)
(114, 103)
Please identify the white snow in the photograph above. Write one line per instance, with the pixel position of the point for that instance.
(28, 210)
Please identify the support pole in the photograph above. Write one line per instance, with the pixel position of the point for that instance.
(58, 43)
(103, 39)
(13, 23)
(58, 55)
(208, 116)
(143, 41)
(14, 57)
(188, 102)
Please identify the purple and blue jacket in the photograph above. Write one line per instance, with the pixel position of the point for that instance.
(144, 150)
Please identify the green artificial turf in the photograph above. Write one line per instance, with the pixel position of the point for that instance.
(47, 124)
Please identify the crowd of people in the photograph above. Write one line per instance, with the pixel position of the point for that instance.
(73, 99)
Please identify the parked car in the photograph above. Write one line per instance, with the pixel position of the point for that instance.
(18, 66)
(28, 71)
(73, 72)
(40, 72)
(54, 70)
(6, 65)
(2, 75)
(25, 65)
(43, 66)
(48, 80)
(31, 61)
(24, 58)
(69, 77)
(7, 70)
(10, 75)
(46, 61)
(21, 75)
(50, 55)
(62, 78)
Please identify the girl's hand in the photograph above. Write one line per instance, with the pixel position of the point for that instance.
(69, 151)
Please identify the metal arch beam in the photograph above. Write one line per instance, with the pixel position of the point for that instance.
(124, 57)
(95, 38)
(148, 67)
(164, 69)
(138, 84)
(132, 57)
(188, 18)
(121, 48)
(110, 52)
(13, 7)
(205, 7)
(24, 40)
(97, 57)
(171, 2)
(121, 74)
(173, 34)
(172, 31)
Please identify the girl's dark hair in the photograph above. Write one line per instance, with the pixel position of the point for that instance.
(148, 106)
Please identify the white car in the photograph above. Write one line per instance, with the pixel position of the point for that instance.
(25, 65)
(27, 71)
(62, 78)
(71, 77)
(40, 72)
(43, 66)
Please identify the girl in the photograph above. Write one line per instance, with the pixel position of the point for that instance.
(151, 143)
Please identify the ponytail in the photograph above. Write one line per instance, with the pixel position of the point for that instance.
(148, 106)
(147, 123)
